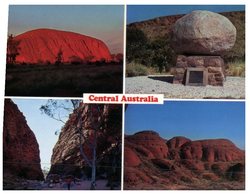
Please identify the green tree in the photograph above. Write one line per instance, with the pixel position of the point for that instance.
(136, 46)
(155, 53)
(163, 57)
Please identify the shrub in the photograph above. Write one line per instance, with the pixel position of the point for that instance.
(136, 45)
(236, 68)
(135, 69)
(152, 53)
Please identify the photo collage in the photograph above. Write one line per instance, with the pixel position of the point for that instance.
(192, 55)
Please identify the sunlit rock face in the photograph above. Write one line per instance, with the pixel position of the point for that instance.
(43, 45)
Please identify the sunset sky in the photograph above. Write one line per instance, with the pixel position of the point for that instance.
(193, 119)
(103, 22)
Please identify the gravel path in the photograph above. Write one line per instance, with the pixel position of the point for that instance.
(234, 88)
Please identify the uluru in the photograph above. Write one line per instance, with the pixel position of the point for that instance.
(155, 163)
(43, 45)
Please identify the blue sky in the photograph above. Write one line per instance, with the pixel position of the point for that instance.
(193, 119)
(43, 126)
(100, 21)
(136, 13)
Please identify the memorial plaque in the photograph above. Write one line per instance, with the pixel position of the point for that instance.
(196, 77)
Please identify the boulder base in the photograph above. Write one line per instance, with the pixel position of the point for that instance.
(214, 66)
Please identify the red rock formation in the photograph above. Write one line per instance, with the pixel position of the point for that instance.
(132, 160)
(150, 162)
(20, 148)
(177, 142)
(174, 145)
(44, 44)
(66, 158)
(141, 150)
(135, 176)
(236, 172)
(212, 151)
(151, 141)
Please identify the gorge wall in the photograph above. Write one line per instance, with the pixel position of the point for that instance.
(66, 158)
(20, 148)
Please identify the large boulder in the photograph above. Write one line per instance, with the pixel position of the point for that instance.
(203, 32)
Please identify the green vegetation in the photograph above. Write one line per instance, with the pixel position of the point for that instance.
(136, 69)
(63, 80)
(236, 68)
(238, 51)
(154, 54)
(148, 44)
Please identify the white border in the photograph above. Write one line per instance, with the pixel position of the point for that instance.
(3, 36)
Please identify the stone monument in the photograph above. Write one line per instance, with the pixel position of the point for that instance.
(199, 39)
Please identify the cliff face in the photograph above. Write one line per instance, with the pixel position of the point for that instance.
(20, 147)
(180, 163)
(66, 158)
(44, 45)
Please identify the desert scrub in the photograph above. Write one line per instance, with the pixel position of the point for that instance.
(236, 68)
(136, 69)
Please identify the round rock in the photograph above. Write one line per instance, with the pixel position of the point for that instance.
(203, 32)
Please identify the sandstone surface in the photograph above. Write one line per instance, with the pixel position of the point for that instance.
(20, 148)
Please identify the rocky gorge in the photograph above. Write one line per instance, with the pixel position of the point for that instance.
(88, 127)
(67, 158)
(20, 148)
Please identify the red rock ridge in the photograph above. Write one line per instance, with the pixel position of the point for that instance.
(150, 141)
(212, 150)
(150, 162)
(44, 45)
